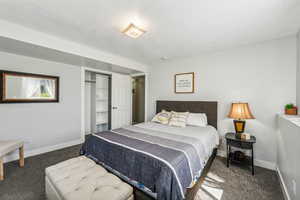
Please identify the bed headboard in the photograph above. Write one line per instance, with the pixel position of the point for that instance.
(208, 107)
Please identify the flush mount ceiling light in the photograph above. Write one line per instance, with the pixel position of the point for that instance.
(133, 31)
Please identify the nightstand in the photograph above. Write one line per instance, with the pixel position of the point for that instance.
(232, 141)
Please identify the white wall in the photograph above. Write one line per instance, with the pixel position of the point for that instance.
(288, 156)
(43, 125)
(261, 74)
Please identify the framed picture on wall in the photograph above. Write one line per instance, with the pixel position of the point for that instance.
(184, 83)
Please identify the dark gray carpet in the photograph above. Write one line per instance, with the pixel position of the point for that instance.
(236, 183)
(220, 183)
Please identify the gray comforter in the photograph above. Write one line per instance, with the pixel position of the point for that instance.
(166, 166)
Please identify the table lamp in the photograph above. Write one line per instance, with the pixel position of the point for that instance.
(239, 112)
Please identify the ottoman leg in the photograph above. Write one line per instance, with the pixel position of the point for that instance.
(21, 155)
(1, 170)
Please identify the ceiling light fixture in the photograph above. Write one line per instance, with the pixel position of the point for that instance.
(133, 31)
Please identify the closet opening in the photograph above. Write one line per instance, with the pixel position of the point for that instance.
(138, 99)
(97, 102)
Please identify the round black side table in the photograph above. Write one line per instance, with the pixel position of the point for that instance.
(232, 141)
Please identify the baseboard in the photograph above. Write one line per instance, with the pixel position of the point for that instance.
(283, 185)
(29, 153)
(259, 163)
(265, 164)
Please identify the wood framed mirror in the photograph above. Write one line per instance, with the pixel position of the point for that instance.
(19, 87)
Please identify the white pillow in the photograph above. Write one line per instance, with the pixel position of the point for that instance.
(178, 119)
(163, 117)
(197, 119)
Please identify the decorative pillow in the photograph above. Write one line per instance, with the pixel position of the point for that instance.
(163, 117)
(197, 119)
(178, 119)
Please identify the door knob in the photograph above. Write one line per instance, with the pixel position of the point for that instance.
(114, 107)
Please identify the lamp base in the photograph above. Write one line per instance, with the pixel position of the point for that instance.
(239, 126)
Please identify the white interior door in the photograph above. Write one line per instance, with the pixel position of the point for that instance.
(121, 100)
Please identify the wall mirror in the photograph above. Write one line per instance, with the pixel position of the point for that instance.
(17, 87)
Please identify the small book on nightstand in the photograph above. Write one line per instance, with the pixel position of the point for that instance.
(245, 136)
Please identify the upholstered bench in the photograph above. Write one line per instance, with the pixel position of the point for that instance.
(6, 147)
(82, 179)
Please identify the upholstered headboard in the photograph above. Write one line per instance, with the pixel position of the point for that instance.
(208, 107)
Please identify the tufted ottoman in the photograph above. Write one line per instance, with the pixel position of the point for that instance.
(82, 179)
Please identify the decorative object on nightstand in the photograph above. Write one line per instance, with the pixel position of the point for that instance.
(239, 112)
(290, 109)
(245, 136)
(238, 156)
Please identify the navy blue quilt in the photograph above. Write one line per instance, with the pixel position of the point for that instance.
(167, 167)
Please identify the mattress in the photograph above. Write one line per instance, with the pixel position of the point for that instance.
(208, 135)
(161, 160)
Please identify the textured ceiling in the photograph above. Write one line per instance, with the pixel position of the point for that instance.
(174, 28)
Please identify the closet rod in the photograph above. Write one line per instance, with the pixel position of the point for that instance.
(87, 81)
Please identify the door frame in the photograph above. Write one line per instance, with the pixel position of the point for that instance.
(83, 70)
(146, 93)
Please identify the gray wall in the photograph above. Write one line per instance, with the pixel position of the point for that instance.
(43, 125)
(261, 74)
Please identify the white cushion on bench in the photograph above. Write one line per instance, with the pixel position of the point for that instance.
(81, 178)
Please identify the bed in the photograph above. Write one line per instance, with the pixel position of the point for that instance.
(161, 161)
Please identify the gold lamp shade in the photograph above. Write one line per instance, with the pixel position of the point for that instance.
(239, 112)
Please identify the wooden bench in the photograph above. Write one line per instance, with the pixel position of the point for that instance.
(8, 146)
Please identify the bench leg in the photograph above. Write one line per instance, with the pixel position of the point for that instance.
(1, 170)
(21, 155)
